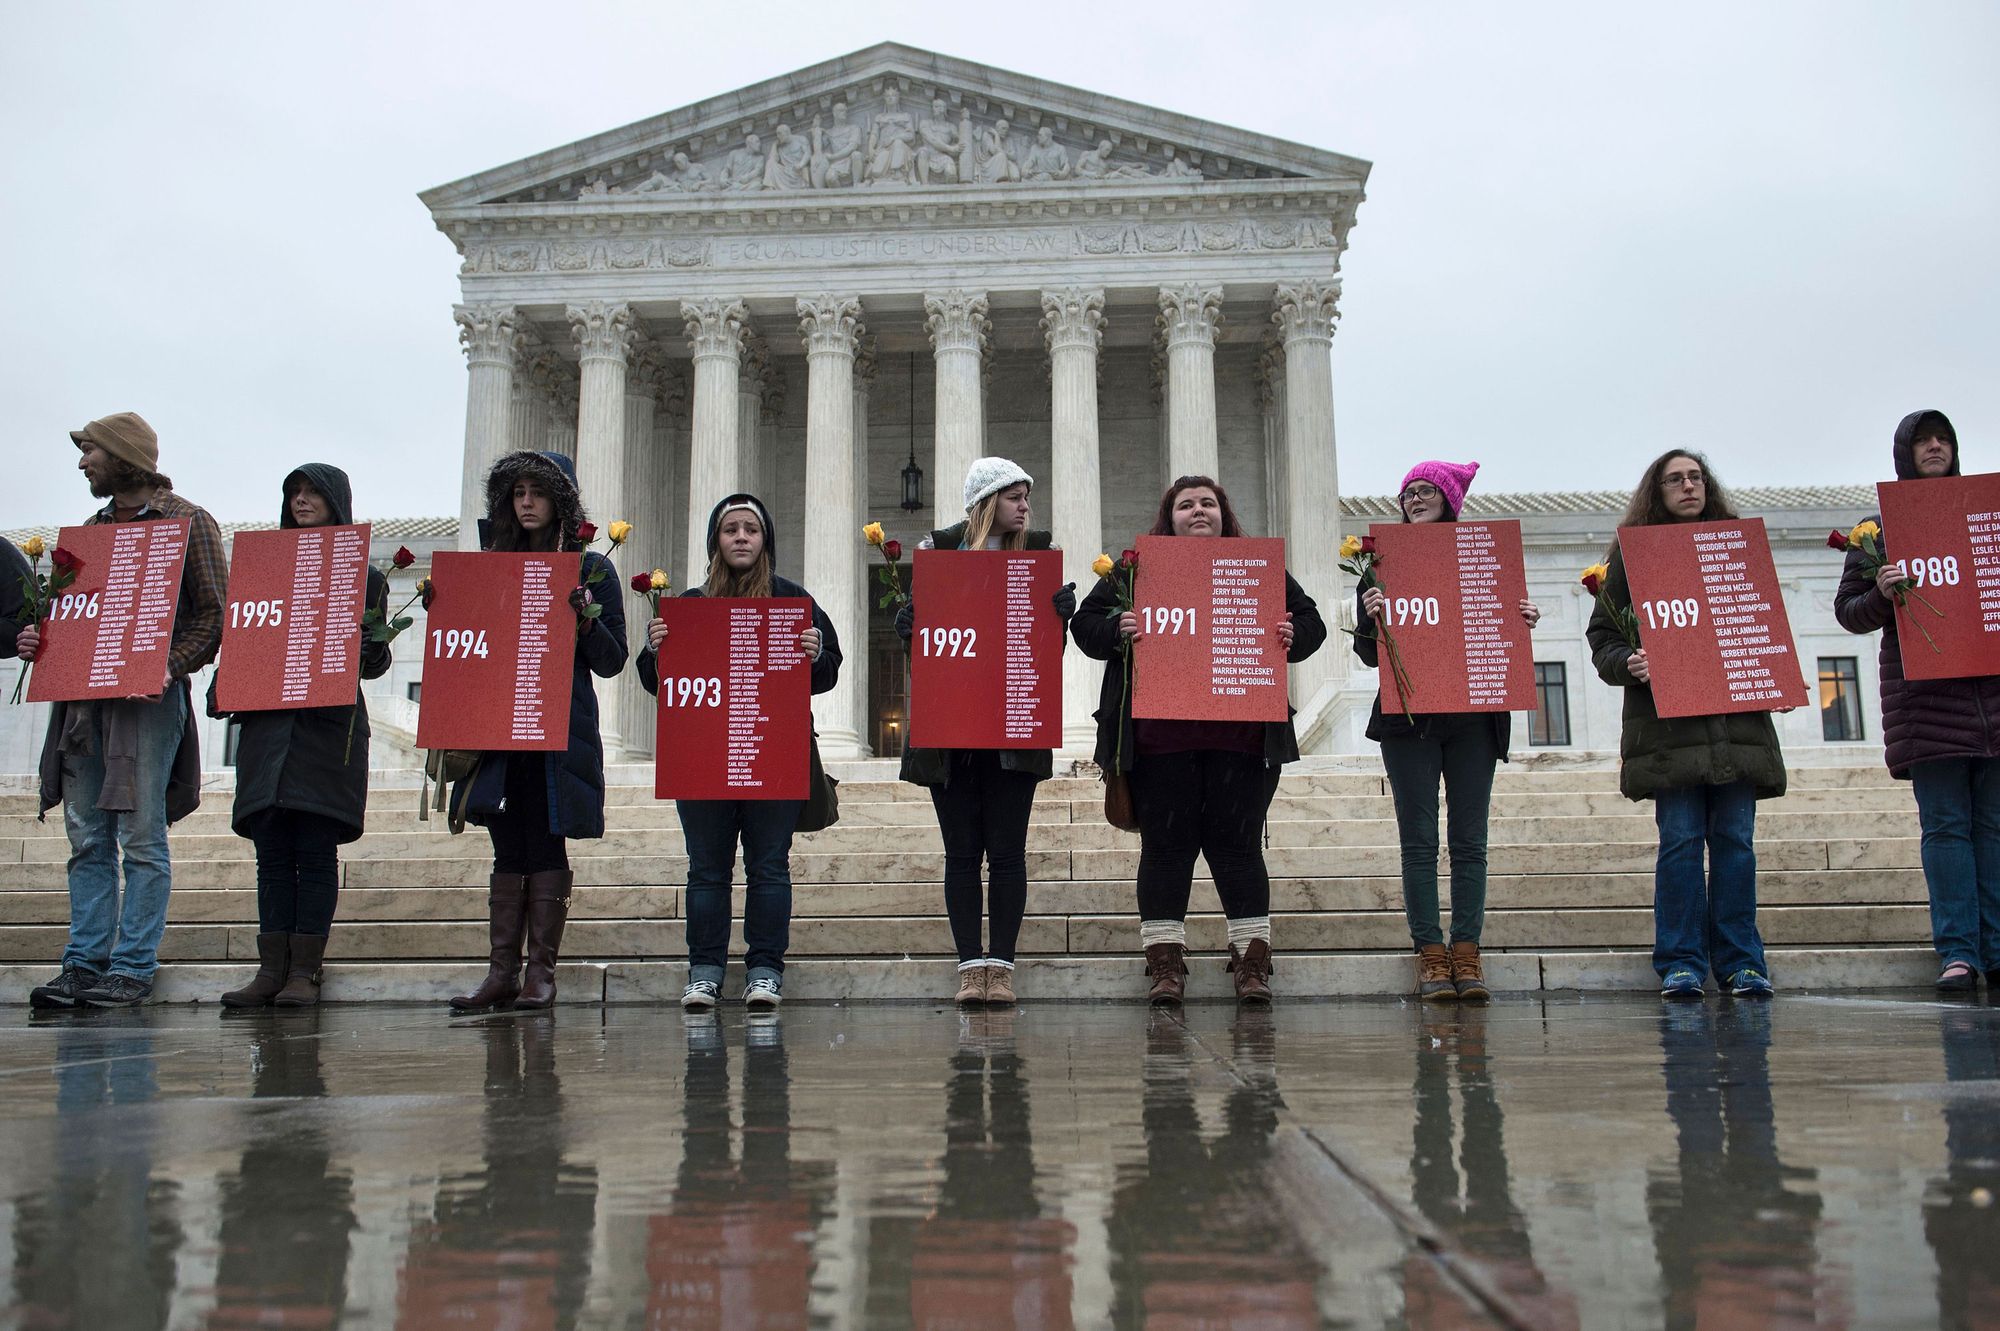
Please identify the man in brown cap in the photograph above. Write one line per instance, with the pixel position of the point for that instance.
(126, 768)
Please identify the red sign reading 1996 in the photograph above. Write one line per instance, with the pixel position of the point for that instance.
(107, 634)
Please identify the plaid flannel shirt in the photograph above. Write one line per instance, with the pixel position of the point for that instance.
(204, 579)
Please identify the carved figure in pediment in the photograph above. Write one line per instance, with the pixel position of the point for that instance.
(1176, 169)
(595, 187)
(1047, 160)
(940, 145)
(837, 153)
(789, 164)
(685, 176)
(743, 169)
(994, 164)
(892, 142)
(1096, 164)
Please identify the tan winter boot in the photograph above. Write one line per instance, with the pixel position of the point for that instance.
(1434, 974)
(971, 986)
(1466, 974)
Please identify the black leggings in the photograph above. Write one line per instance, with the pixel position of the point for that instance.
(983, 813)
(522, 842)
(1210, 803)
(298, 871)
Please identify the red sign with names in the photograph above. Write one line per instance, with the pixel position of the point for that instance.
(1209, 609)
(1946, 530)
(986, 657)
(291, 628)
(1454, 593)
(1712, 617)
(107, 634)
(735, 699)
(499, 651)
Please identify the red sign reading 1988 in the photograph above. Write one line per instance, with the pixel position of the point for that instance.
(1946, 532)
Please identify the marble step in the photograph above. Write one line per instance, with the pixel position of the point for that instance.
(1106, 978)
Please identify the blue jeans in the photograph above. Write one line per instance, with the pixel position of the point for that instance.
(712, 828)
(1706, 919)
(105, 934)
(1958, 806)
(1461, 750)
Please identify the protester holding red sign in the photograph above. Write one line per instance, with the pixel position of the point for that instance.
(1200, 788)
(1942, 735)
(125, 768)
(1463, 749)
(302, 786)
(983, 796)
(14, 574)
(531, 801)
(1704, 774)
(741, 554)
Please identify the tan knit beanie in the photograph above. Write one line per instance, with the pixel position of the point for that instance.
(125, 436)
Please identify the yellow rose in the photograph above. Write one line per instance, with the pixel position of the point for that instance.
(1350, 547)
(1102, 566)
(619, 531)
(872, 533)
(33, 547)
(659, 579)
(1864, 529)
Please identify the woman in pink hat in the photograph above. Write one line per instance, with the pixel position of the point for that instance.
(1461, 748)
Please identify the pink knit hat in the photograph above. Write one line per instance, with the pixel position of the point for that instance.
(1452, 478)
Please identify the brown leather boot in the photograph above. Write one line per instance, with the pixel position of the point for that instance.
(1000, 986)
(302, 974)
(1251, 968)
(273, 957)
(1166, 969)
(548, 912)
(506, 920)
(1434, 974)
(1466, 975)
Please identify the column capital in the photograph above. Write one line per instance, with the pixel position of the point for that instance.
(770, 388)
(645, 368)
(830, 324)
(1190, 312)
(864, 363)
(956, 319)
(1306, 310)
(528, 345)
(715, 327)
(488, 333)
(564, 390)
(1073, 317)
(752, 363)
(604, 330)
(1271, 373)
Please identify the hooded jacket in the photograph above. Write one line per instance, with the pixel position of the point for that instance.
(311, 759)
(1923, 720)
(14, 572)
(575, 776)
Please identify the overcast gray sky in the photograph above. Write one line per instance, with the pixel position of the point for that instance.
(1592, 231)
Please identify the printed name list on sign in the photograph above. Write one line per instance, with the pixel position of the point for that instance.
(107, 633)
(986, 657)
(1454, 591)
(499, 650)
(291, 628)
(735, 699)
(1946, 531)
(1711, 617)
(1208, 650)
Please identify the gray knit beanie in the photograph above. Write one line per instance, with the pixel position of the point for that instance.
(990, 476)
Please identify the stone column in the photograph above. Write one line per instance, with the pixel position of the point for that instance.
(1304, 314)
(1073, 322)
(1189, 314)
(606, 334)
(957, 324)
(488, 333)
(565, 401)
(648, 480)
(1271, 394)
(526, 429)
(750, 418)
(830, 324)
(860, 663)
(715, 330)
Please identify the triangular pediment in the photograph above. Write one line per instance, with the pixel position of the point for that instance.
(894, 119)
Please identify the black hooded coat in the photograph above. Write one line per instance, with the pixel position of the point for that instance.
(312, 759)
(1922, 719)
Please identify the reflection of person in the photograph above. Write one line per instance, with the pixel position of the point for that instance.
(983, 796)
(531, 802)
(124, 769)
(1943, 736)
(1704, 774)
(1199, 787)
(302, 785)
(1463, 748)
(742, 552)
(1961, 1222)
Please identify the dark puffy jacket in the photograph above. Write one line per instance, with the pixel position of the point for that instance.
(1668, 753)
(313, 759)
(1394, 725)
(1095, 628)
(932, 767)
(14, 573)
(1922, 719)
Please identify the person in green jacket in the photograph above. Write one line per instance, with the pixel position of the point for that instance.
(1704, 774)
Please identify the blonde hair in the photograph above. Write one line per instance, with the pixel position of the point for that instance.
(979, 525)
(726, 581)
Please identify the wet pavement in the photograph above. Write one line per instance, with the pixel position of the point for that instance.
(1570, 1163)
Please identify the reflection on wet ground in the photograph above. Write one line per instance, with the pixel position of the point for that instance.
(1599, 1163)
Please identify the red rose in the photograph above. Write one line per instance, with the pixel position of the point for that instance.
(1838, 540)
(892, 550)
(402, 558)
(642, 582)
(64, 560)
(1368, 545)
(1591, 582)
(587, 532)
(1130, 559)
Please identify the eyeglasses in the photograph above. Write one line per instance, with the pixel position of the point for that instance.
(1420, 491)
(1675, 480)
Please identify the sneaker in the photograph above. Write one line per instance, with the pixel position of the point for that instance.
(116, 991)
(65, 991)
(700, 995)
(761, 994)
(1683, 983)
(1749, 983)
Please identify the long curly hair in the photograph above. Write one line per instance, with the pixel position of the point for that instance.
(1163, 523)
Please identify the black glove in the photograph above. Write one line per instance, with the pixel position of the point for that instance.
(579, 599)
(906, 621)
(427, 591)
(1065, 601)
